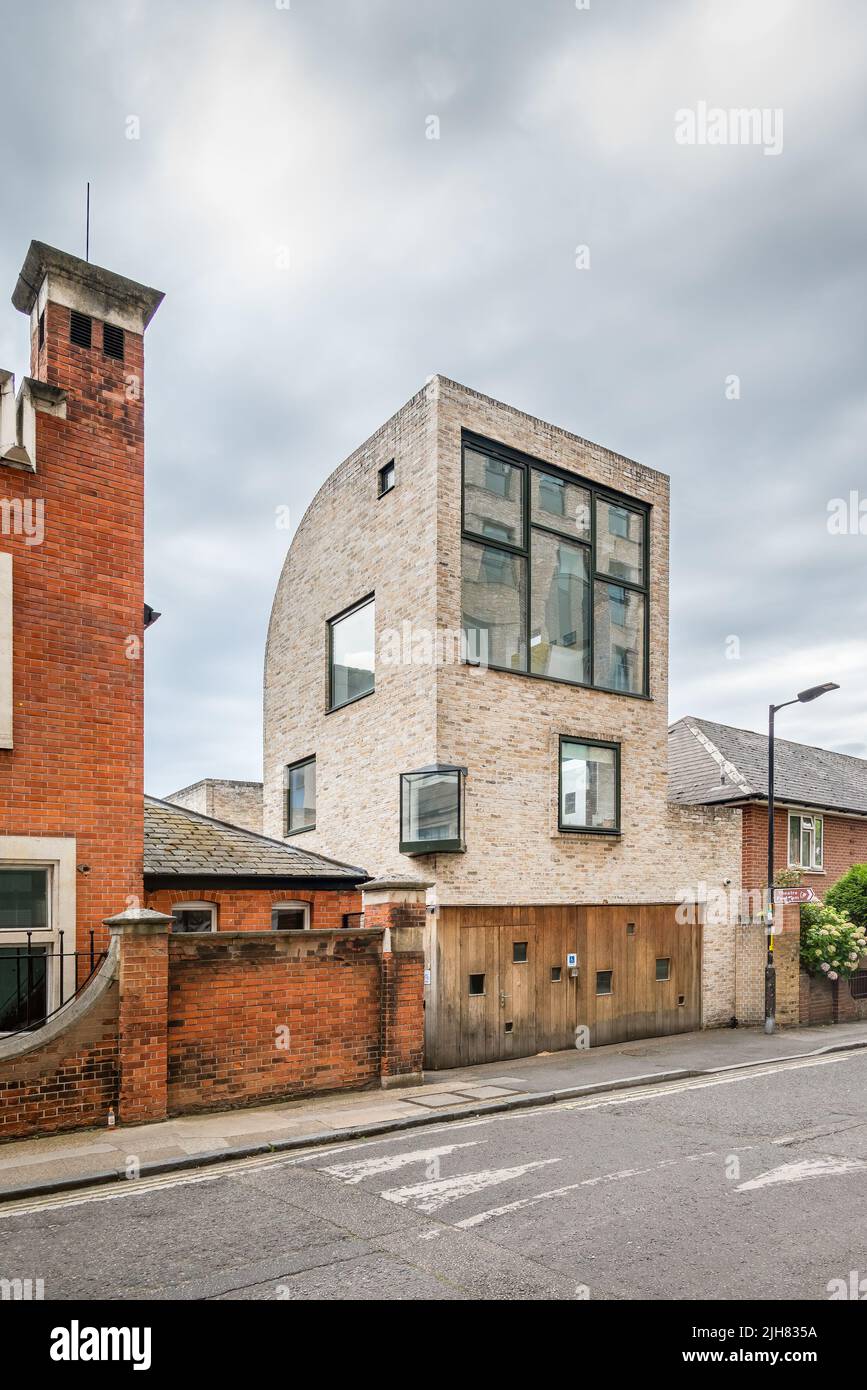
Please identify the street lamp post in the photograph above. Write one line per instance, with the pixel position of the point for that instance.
(770, 973)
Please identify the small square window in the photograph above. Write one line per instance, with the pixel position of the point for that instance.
(519, 952)
(603, 981)
(630, 928)
(556, 974)
(681, 1000)
(385, 479)
(509, 1026)
(477, 984)
(79, 329)
(663, 968)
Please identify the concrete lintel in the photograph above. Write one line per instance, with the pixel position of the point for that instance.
(78, 284)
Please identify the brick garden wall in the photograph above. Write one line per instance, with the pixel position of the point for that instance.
(176, 1023)
(251, 1018)
(69, 1081)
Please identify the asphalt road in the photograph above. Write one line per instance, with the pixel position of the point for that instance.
(744, 1185)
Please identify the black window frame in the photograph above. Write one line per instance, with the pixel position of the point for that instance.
(597, 493)
(417, 847)
(331, 623)
(288, 832)
(383, 490)
(614, 830)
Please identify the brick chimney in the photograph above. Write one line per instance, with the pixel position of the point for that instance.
(71, 554)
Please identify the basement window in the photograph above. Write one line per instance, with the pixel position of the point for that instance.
(477, 984)
(604, 981)
(385, 479)
(290, 916)
(431, 810)
(112, 341)
(79, 329)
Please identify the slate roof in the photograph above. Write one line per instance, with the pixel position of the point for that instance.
(187, 844)
(714, 763)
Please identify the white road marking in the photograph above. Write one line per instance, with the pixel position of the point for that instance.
(143, 1186)
(524, 1202)
(370, 1167)
(805, 1170)
(430, 1196)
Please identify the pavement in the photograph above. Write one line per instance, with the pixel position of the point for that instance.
(33, 1167)
(743, 1183)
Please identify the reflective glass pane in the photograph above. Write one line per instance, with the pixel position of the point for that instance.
(560, 505)
(493, 497)
(494, 602)
(352, 646)
(23, 899)
(588, 786)
(618, 636)
(301, 796)
(619, 542)
(430, 807)
(560, 617)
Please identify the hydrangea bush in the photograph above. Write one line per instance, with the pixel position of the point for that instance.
(831, 944)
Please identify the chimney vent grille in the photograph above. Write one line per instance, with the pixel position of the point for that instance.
(79, 329)
(112, 341)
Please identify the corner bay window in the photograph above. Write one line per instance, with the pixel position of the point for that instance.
(806, 834)
(557, 588)
(431, 810)
(351, 649)
(299, 780)
(589, 786)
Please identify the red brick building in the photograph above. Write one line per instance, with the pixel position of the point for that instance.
(820, 830)
(72, 620)
(212, 876)
(73, 617)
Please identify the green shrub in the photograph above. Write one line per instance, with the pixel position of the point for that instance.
(831, 944)
(849, 894)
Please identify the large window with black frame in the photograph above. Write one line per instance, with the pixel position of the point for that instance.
(554, 573)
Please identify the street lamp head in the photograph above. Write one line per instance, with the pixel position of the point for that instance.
(815, 691)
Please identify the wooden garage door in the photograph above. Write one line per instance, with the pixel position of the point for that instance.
(505, 987)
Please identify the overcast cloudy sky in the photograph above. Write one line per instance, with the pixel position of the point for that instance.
(270, 134)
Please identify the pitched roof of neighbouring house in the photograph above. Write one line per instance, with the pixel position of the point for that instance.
(185, 843)
(710, 762)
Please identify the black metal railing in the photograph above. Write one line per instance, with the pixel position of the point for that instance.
(36, 967)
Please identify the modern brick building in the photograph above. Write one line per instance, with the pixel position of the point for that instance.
(466, 686)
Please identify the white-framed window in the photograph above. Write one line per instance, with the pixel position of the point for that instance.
(806, 840)
(37, 929)
(194, 917)
(290, 916)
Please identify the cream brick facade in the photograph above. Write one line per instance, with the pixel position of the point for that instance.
(405, 548)
(237, 803)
